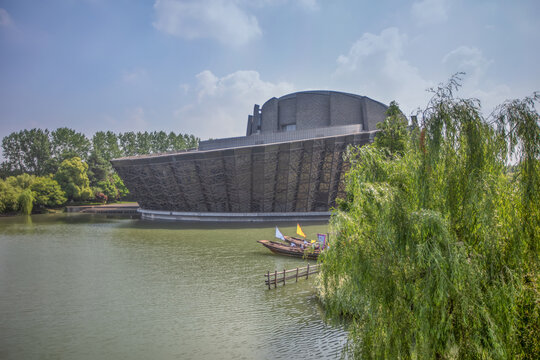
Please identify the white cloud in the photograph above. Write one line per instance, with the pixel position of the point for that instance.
(310, 4)
(430, 11)
(476, 83)
(469, 60)
(224, 103)
(184, 88)
(5, 19)
(376, 67)
(134, 76)
(389, 42)
(223, 20)
(491, 98)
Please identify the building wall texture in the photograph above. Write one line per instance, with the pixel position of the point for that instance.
(268, 171)
(316, 109)
(298, 176)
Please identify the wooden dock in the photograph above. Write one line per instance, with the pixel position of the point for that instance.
(288, 275)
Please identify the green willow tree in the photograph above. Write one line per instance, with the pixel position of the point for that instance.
(436, 251)
(23, 193)
(8, 197)
(26, 202)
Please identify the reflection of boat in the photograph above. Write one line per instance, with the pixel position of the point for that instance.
(296, 251)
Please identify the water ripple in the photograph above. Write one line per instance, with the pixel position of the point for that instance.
(85, 288)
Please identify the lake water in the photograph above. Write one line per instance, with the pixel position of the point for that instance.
(75, 286)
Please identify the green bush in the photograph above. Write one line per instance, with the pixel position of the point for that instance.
(73, 179)
(8, 197)
(47, 192)
(25, 202)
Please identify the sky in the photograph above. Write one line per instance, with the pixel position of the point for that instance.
(199, 66)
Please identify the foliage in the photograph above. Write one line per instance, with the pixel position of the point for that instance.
(517, 122)
(392, 136)
(25, 202)
(26, 151)
(111, 189)
(16, 192)
(40, 152)
(98, 168)
(436, 250)
(73, 179)
(119, 184)
(159, 141)
(108, 188)
(101, 197)
(37, 152)
(128, 143)
(105, 145)
(11, 191)
(47, 192)
(23, 181)
(65, 144)
(104, 180)
(142, 143)
(8, 197)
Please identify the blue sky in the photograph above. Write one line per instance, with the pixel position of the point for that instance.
(199, 66)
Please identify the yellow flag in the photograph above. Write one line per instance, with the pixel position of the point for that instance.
(299, 230)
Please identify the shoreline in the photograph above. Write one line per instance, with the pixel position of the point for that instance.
(114, 208)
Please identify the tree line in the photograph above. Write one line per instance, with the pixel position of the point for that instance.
(43, 168)
(437, 243)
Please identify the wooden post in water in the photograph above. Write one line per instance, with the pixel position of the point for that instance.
(299, 273)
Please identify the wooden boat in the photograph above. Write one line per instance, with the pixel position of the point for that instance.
(294, 240)
(296, 251)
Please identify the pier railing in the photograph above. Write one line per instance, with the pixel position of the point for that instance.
(273, 278)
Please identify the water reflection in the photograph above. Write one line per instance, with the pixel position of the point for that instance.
(92, 287)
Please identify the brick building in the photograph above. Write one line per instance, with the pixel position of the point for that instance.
(289, 166)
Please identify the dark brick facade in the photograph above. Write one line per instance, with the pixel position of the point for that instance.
(298, 176)
(268, 171)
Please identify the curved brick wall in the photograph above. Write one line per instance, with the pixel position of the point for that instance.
(271, 171)
(315, 109)
(296, 176)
